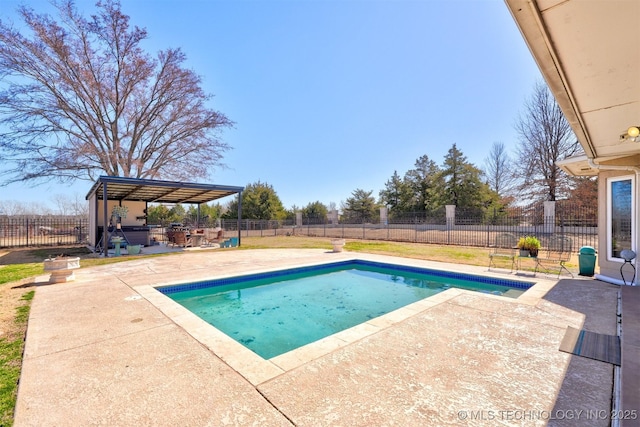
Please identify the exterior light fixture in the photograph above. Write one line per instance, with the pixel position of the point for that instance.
(632, 134)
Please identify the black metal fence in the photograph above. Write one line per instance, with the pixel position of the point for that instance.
(23, 231)
(465, 228)
(470, 228)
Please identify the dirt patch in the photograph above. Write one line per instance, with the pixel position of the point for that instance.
(10, 295)
(22, 256)
(18, 257)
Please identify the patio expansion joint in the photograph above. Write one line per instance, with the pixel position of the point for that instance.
(92, 343)
(273, 405)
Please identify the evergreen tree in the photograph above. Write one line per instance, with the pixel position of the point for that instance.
(463, 186)
(397, 195)
(158, 215)
(208, 213)
(360, 207)
(315, 211)
(424, 181)
(259, 201)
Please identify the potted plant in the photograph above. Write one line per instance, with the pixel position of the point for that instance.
(133, 249)
(534, 245)
(120, 211)
(522, 245)
(529, 246)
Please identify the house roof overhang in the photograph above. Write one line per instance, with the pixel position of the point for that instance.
(588, 53)
(149, 190)
(577, 166)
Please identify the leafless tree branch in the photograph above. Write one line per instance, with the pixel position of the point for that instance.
(79, 98)
(545, 138)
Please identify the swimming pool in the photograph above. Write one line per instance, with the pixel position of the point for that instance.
(275, 312)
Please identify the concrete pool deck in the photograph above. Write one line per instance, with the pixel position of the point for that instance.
(109, 349)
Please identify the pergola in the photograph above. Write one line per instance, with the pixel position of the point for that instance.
(156, 191)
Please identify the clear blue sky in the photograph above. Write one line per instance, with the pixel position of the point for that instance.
(329, 96)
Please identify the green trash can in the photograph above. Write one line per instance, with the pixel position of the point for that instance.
(587, 260)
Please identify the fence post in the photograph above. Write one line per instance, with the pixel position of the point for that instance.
(451, 220)
(549, 217)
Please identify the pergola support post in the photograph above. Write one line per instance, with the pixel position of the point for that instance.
(239, 217)
(105, 234)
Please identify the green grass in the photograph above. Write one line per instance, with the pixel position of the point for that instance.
(475, 256)
(442, 253)
(11, 349)
(15, 272)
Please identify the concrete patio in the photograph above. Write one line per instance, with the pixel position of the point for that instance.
(108, 349)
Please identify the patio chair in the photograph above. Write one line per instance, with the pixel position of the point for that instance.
(180, 238)
(504, 248)
(170, 237)
(213, 236)
(556, 254)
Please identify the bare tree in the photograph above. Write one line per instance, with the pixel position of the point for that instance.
(79, 206)
(11, 207)
(498, 169)
(79, 97)
(545, 137)
(67, 205)
(15, 208)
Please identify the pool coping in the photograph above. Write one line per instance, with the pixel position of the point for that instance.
(258, 370)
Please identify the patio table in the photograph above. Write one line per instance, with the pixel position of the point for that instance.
(196, 239)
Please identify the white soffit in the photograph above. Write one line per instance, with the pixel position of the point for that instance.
(589, 53)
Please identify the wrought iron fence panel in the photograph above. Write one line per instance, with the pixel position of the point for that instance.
(468, 228)
(23, 231)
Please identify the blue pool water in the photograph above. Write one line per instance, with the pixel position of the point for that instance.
(276, 312)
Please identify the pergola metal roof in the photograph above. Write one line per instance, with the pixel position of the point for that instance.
(149, 190)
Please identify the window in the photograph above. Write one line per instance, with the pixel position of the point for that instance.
(621, 226)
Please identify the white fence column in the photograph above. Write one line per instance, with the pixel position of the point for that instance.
(451, 216)
(383, 216)
(549, 217)
(298, 219)
(332, 216)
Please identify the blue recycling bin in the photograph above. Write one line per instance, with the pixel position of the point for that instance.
(587, 260)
